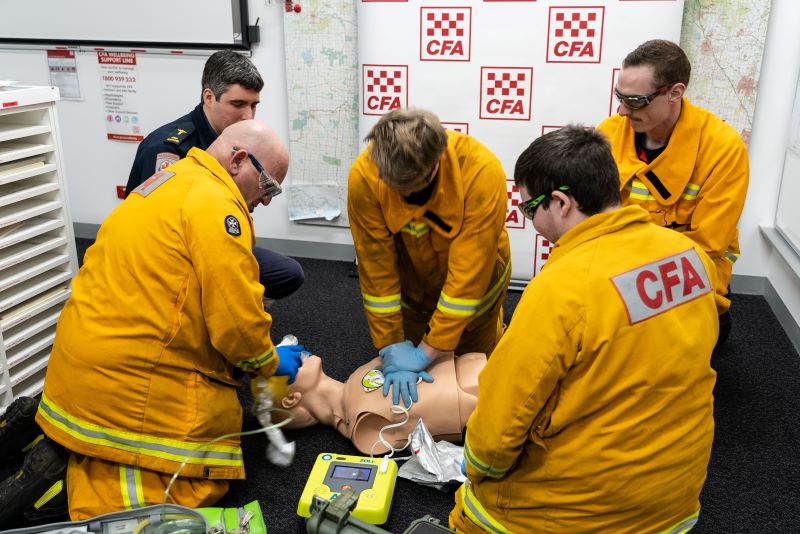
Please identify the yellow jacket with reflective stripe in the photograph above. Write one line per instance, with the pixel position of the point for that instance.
(167, 301)
(449, 258)
(696, 186)
(595, 411)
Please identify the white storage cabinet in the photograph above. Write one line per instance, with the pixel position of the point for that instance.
(37, 245)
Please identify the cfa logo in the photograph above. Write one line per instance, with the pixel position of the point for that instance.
(506, 93)
(541, 253)
(659, 286)
(462, 127)
(385, 88)
(445, 33)
(575, 34)
(514, 218)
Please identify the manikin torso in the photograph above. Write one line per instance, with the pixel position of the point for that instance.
(444, 405)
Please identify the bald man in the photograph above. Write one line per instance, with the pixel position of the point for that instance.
(166, 304)
(231, 87)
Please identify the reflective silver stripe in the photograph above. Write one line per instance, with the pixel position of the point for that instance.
(480, 466)
(158, 450)
(491, 296)
(255, 363)
(684, 526)
(476, 512)
(131, 486)
(639, 190)
(379, 304)
(690, 192)
(457, 309)
(731, 256)
(456, 306)
(388, 304)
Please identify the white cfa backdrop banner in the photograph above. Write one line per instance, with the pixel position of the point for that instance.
(504, 72)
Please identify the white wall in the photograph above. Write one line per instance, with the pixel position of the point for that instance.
(268, 55)
(776, 89)
(168, 88)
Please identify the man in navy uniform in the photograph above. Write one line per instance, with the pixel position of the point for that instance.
(231, 88)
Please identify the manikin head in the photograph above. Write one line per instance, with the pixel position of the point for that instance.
(313, 396)
(231, 86)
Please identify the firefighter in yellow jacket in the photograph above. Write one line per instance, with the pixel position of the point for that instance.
(681, 163)
(427, 213)
(166, 303)
(595, 410)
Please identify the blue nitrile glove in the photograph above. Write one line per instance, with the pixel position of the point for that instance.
(399, 346)
(289, 360)
(464, 466)
(405, 384)
(404, 357)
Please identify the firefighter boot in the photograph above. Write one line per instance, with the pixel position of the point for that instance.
(18, 427)
(51, 506)
(44, 467)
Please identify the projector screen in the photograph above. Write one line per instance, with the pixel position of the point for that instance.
(173, 23)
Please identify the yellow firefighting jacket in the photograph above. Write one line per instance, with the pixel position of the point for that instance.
(595, 410)
(697, 186)
(167, 301)
(449, 258)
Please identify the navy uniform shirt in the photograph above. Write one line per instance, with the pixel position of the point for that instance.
(168, 144)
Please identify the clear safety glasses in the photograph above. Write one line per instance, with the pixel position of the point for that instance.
(268, 185)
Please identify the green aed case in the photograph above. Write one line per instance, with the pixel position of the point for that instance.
(163, 519)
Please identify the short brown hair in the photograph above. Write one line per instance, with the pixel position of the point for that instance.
(669, 62)
(226, 68)
(406, 143)
(573, 156)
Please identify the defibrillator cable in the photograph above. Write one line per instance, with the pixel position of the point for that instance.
(263, 430)
(397, 410)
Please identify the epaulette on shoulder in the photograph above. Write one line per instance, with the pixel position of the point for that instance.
(179, 134)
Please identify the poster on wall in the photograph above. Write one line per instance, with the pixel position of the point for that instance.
(322, 81)
(63, 69)
(505, 72)
(120, 92)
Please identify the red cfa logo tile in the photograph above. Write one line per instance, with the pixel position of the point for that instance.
(506, 93)
(575, 34)
(514, 218)
(462, 127)
(444, 33)
(385, 88)
(541, 252)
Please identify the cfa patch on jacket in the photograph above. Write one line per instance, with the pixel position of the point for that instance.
(232, 226)
(164, 160)
(653, 288)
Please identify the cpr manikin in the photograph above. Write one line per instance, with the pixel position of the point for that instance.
(358, 409)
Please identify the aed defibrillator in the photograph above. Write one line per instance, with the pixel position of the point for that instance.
(371, 480)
